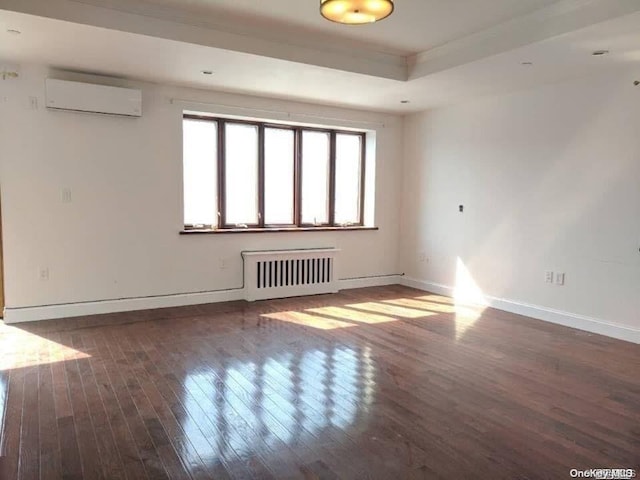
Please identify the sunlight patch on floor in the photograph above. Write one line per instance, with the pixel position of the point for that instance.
(4, 391)
(436, 299)
(390, 309)
(307, 320)
(352, 315)
(467, 293)
(22, 349)
(435, 308)
(427, 306)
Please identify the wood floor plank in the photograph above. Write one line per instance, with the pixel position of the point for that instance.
(13, 423)
(50, 464)
(85, 433)
(29, 436)
(144, 443)
(70, 460)
(176, 466)
(105, 442)
(198, 450)
(201, 420)
(377, 383)
(128, 451)
(5, 380)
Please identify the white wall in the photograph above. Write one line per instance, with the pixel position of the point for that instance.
(550, 180)
(119, 238)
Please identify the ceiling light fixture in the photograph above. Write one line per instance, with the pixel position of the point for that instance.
(527, 64)
(599, 53)
(13, 31)
(356, 12)
(404, 101)
(207, 72)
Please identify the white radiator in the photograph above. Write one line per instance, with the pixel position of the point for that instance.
(289, 273)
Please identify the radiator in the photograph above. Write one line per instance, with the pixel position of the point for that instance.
(289, 273)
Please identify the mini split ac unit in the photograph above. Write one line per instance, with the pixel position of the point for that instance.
(90, 98)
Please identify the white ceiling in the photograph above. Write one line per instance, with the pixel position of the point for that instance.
(78, 46)
(415, 26)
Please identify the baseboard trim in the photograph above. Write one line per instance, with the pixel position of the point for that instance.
(68, 310)
(568, 319)
(375, 281)
(580, 322)
(49, 312)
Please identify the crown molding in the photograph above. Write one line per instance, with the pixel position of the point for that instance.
(161, 24)
(554, 20)
(141, 18)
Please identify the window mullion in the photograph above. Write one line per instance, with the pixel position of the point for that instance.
(221, 175)
(332, 178)
(363, 176)
(297, 167)
(261, 175)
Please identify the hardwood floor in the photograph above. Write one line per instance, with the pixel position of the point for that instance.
(387, 383)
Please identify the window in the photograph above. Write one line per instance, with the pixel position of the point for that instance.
(200, 172)
(254, 175)
(279, 176)
(241, 175)
(316, 177)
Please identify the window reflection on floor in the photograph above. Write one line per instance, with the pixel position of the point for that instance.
(285, 399)
(3, 401)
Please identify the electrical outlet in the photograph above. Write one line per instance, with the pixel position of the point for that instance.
(559, 278)
(33, 103)
(548, 277)
(222, 263)
(66, 195)
(43, 274)
(422, 257)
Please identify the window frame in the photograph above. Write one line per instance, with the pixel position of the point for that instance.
(261, 148)
(222, 181)
(297, 130)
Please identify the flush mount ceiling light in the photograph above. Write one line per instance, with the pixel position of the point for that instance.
(356, 12)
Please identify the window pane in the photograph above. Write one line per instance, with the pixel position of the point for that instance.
(348, 165)
(200, 145)
(241, 174)
(315, 177)
(278, 176)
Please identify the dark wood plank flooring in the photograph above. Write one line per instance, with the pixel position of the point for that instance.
(387, 383)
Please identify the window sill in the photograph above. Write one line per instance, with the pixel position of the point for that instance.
(274, 230)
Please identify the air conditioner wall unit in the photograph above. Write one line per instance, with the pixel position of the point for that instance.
(91, 98)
